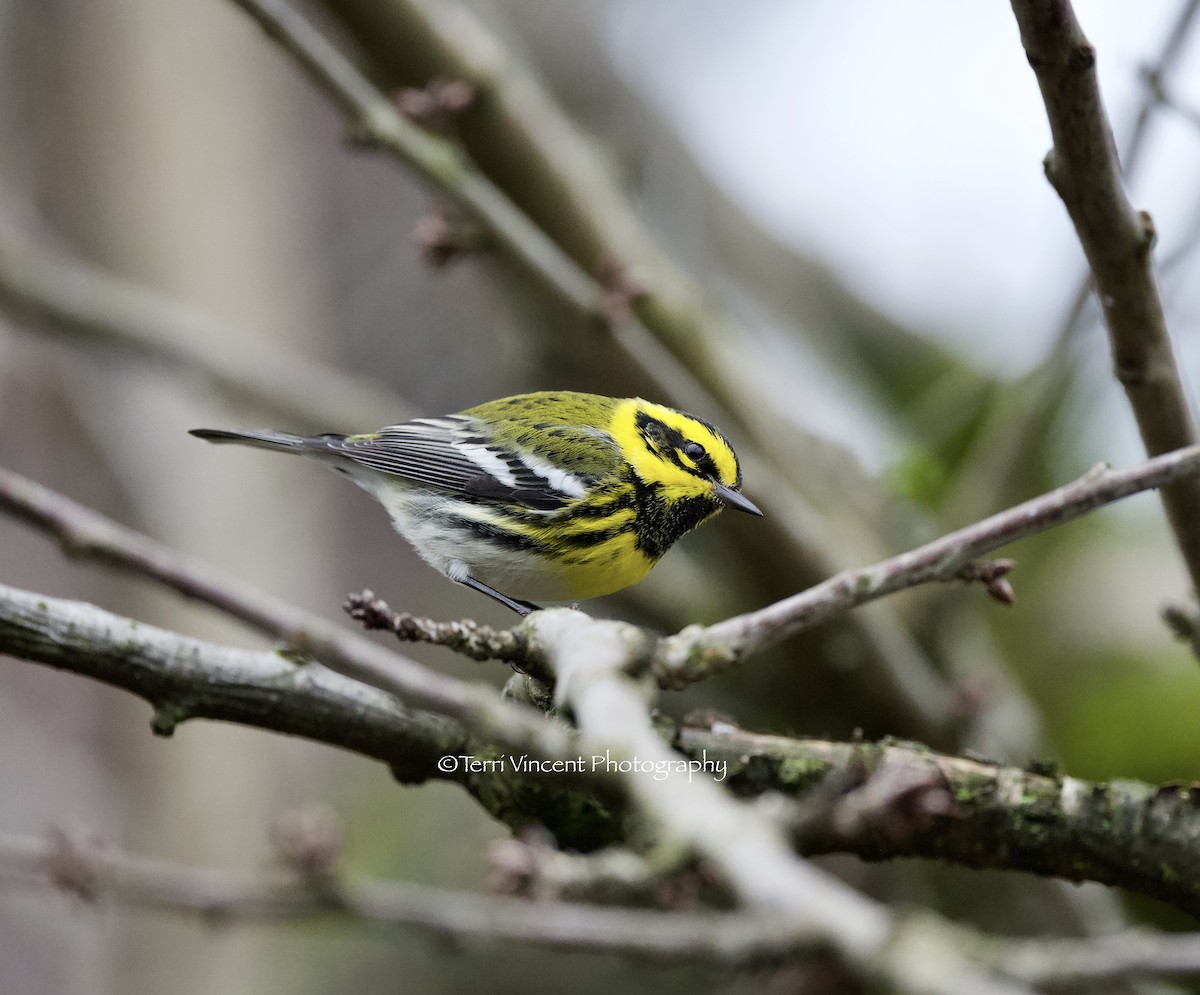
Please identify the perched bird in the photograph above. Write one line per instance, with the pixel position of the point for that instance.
(555, 495)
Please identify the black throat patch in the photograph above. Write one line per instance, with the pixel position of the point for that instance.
(661, 523)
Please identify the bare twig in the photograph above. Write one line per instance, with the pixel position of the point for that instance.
(521, 138)
(676, 339)
(1117, 241)
(532, 866)
(1184, 621)
(1131, 155)
(1172, 47)
(697, 652)
(590, 659)
(467, 638)
(1177, 106)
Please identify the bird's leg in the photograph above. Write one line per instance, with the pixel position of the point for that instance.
(520, 607)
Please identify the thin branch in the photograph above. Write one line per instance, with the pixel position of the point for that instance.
(467, 638)
(1117, 241)
(184, 678)
(1174, 45)
(590, 659)
(84, 534)
(521, 145)
(1185, 111)
(697, 652)
(532, 865)
(523, 141)
(88, 306)
(1131, 155)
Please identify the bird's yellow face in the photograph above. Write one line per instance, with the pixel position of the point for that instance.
(684, 456)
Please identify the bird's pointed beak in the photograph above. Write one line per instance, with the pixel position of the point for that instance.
(735, 500)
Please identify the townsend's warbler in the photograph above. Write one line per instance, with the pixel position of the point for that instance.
(553, 495)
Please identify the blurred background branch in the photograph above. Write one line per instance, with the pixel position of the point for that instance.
(97, 873)
(118, 321)
(102, 875)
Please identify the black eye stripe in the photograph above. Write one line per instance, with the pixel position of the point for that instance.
(673, 445)
(657, 435)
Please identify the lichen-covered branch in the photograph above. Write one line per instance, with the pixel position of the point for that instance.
(184, 678)
(1117, 240)
(1128, 834)
(495, 758)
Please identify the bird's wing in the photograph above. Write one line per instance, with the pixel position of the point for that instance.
(457, 453)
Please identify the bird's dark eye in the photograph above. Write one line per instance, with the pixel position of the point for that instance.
(693, 451)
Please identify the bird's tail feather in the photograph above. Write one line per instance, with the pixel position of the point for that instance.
(268, 439)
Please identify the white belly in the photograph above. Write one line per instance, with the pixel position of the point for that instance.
(420, 516)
